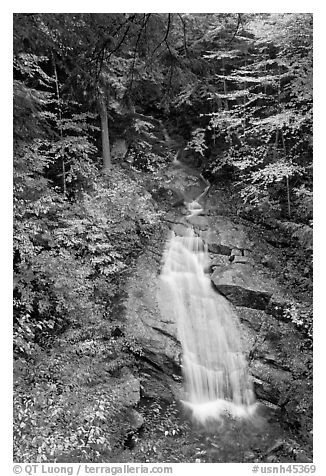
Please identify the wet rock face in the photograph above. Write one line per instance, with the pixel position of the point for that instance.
(215, 243)
(199, 222)
(270, 343)
(227, 236)
(278, 364)
(273, 347)
(153, 331)
(237, 279)
(153, 385)
(182, 184)
(237, 282)
(151, 328)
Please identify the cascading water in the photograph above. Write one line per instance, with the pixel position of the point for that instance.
(215, 369)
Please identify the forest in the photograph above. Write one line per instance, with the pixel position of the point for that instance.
(103, 105)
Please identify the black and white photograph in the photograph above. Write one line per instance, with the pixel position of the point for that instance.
(162, 242)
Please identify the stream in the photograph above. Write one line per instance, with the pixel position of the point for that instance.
(220, 376)
(214, 366)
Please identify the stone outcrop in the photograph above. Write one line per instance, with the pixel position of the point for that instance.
(238, 273)
(151, 331)
(238, 282)
(145, 324)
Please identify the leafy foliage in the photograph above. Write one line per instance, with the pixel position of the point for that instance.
(235, 87)
(255, 105)
(197, 142)
(76, 233)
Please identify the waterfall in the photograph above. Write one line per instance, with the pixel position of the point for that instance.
(214, 367)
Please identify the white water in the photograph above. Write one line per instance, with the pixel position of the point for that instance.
(214, 367)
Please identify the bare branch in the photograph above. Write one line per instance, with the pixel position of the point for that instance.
(143, 28)
(165, 36)
(184, 33)
(107, 40)
(236, 29)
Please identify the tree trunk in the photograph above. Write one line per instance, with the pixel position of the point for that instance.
(63, 165)
(275, 145)
(288, 196)
(287, 179)
(224, 86)
(106, 155)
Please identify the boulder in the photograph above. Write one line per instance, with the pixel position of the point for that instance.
(188, 182)
(231, 234)
(225, 237)
(242, 260)
(253, 318)
(214, 242)
(219, 261)
(264, 391)
(153, 388)
(269, 261)
(150, 325)
(241, 286)
(136, 420)
(126, 389)
(198, 221)
(119, 149)
(236, 252)
(180, 229)
(270, 383)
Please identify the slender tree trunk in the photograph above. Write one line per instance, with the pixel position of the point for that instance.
(288, 196)
(245, 97)
(265, 70)
(224, 85)
(63, 165)
(276, 145)
(287, 180)
(106, 155)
